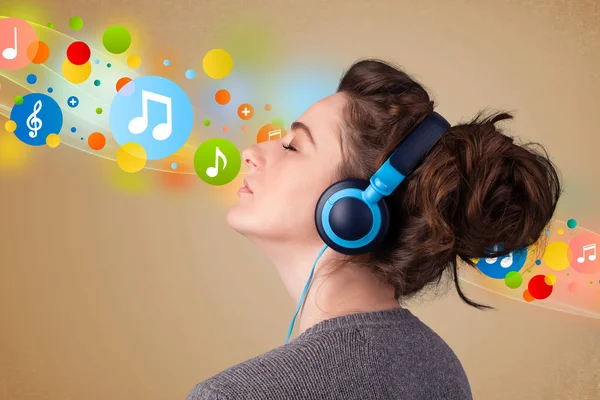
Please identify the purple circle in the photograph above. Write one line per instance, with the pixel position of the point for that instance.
(128, 89)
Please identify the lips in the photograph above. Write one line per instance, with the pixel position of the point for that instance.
(247, 186)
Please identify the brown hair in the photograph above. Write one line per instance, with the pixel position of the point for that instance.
(475, 188)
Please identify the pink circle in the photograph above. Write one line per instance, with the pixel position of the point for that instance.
(225, 129)
(15, 56)
(573, 286)
(585, 253)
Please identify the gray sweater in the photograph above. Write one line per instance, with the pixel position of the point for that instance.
(389, 354)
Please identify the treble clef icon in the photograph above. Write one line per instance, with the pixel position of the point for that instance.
(33, 122)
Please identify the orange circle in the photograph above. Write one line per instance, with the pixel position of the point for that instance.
(245, 111)
(38, 52)
(96, 141)
(268, 107)
(122, 82)
(270, 132)
(222, 97)
(527, 296)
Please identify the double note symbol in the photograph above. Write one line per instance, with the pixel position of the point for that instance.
(591, 257)
(140, 124)
(504, 262)
(33, 122)
(10, 53)
(214, 171)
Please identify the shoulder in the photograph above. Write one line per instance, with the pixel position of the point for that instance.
(280, 372)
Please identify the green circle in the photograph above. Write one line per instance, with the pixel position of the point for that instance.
(206, 122)
(97, 82)
(109, 65)
(50, 25)
(277, 121)
(98, 110)
(513, 279)
(116, 39)
(18, 100)
(76, 23)
(571, 223)
(208, 158)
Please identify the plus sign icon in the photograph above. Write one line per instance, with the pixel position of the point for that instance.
(73, 101)
(245, 111)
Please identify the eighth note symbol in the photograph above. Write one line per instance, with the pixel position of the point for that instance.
(213, 171)
(33, 122)
(140, 124)
(591, 257)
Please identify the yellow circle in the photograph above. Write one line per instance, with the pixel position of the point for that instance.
(134, 61)
(560, 231)
(131, 157)
(53, 140)
(556, 256)
(76, 73)
(10, 126)
(217, 63)
(550, 279)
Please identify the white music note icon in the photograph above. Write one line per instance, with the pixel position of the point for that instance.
(591, 257)
(507, 261)
(10, 53)
(140, 124)
(274, 133)
(213, 171)
(33, 122)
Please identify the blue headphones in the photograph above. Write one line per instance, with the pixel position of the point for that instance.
(352, 215)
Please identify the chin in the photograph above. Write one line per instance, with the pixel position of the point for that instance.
(238, 219)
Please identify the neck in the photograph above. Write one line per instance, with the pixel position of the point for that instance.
(349, 290)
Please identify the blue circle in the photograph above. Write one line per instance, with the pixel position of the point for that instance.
(498, 267)
(31, 79)
(571, 223)
(81, 138)
(538, 262)
(190, 74)
(73, 129)
(159, 95)
(73, 101)
(50, 90)
(167, 63)
(174, 165)
(39, 115)
(96, 61)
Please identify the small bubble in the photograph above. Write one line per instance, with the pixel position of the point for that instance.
(98, 110)
(50, 90)
(166, 63)
(109, 65)
(73, 129)
(174, 165)
(190, 74)
(97, 82)
(206, 122)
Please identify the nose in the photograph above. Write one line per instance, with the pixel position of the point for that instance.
(251, 155)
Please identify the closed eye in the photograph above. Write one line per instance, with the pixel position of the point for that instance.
(288, 146)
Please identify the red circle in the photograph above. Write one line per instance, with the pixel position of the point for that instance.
(538, 288)
(78, 53)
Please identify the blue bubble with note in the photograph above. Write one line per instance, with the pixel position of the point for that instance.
(36, 117)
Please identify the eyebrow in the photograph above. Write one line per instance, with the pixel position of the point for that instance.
(302, 125)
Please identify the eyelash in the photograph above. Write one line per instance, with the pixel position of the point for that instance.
(288, 147)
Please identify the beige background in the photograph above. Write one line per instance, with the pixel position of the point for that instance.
(111, 295)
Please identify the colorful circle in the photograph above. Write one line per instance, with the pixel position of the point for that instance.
(538, 288)
(499, 267)
(573, 287)
(556, 256)
(158, 115)
(78, 53)
(571, 223)
(73, 101)
(53, 140)
(217, 63)
(96, 141)
(97, 82)
(73, 129)
(76, 73)
(222, 97)
(268, 107)
(50, 90)
(166, 63)
(513, 279)
(217, 161)
(31, 79)
(38, 52)
(99, 110)
(134, 61)
(17, 39)
(190, 74)
(131, 157)
(584, 251)
(37, 117)
(76, 23)
(10, 126)
(270, 132)
(122, 82)
(174, 165)
(277, 121)
(206, 122)
(225, 128)
(116, 39)
(245, 111)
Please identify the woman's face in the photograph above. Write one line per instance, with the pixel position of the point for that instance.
(286, 184)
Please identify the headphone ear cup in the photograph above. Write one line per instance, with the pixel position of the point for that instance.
(353, 214)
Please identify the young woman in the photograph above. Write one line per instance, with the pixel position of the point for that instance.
(473, 188)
